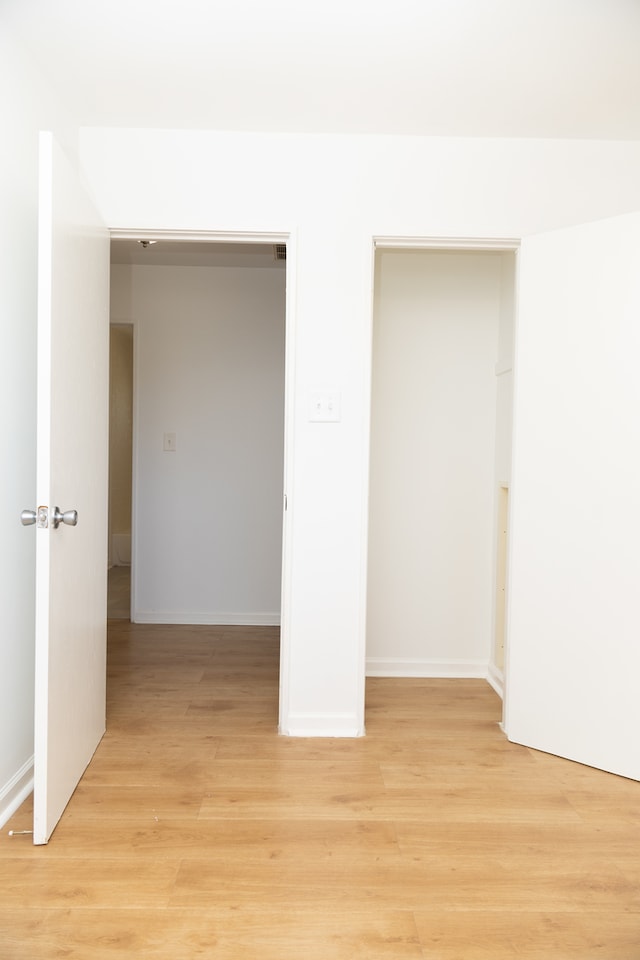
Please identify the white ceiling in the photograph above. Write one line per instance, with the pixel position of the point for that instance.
(516, 68)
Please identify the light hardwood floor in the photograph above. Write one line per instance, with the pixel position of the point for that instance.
(197, 832)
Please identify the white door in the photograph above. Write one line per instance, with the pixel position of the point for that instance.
(574, 622)
(71, 561)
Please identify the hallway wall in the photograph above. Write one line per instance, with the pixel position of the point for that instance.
(209, 371)
(120, 442)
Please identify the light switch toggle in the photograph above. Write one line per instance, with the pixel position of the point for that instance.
(324, 406)
(169, 445)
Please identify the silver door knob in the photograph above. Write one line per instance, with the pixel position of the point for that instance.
(27, 517)
(69, 517)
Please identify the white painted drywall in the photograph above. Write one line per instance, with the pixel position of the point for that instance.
(435, 345)
(334, 194)
(504, 370)
(120, 441)
(210, 370)
(26, 105)
(503, 459)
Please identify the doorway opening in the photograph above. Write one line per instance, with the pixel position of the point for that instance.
(208, 319)
(441, 421)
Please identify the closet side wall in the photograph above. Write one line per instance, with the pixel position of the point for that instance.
(120, 443)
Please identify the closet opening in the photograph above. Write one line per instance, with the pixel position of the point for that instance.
(440, 461)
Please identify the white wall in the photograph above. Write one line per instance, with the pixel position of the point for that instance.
(334, 194)
(26, 105)
(504, 370)
(209, 369)
(435, 346)
(120, 441)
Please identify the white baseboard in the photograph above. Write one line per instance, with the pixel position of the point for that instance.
(208, 619)
(321, 725)
(16, 791)
(396, 667)
(496, 679)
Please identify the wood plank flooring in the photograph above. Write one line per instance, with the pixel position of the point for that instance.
(198, 832)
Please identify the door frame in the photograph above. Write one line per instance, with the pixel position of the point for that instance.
(266, 237)
(407, 242)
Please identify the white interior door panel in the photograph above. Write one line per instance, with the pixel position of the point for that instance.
(574, 583)
(71, 561)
